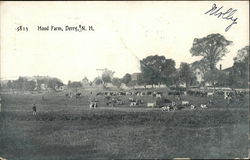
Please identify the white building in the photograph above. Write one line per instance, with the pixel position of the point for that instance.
(199, 70)
(199, 75)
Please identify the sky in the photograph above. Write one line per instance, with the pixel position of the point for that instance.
(124, 32)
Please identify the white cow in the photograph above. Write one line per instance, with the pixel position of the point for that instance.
(193, 107)
(173, 103)
(133, 104)
(158, 95)
(185, 103)
(226, 95)
(93, 105)
(210, 94)
(203, 106)
(131, 99)
(165, 108)
(128, 93)
(151, 105)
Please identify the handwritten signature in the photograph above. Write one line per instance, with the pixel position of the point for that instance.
(228, 15)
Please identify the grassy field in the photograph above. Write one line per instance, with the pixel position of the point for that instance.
(68, 129)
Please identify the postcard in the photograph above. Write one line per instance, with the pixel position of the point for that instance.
(124, 80)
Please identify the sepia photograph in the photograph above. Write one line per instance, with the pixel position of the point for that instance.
(124, 80)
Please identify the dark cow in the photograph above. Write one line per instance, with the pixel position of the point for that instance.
(122, 93)
(149, 93)
(78, 95)
(99, 93)
(68, 95)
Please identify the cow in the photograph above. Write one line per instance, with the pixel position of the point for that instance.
(139, 101)
(131, 100)
(178, 97)
(108, 103)
(203, 106)
(114, 100)
(34, 109)
(133, 104)
(149, 93)
(108, 97)
(154, 94)
(69, 95)
(151, 104)
(210, 94)
(227, 95)
(185, 103)
(120, 102)
(122, 93)
(192, 107)
(93, 104)
(165, 108)
(229, 100)
(211, 102)
(99, 93)
(138, 93)
(78, 95)
(128, 93)
(173, 104)
(158, 95)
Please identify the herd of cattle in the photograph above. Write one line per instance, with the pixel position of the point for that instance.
(114, 98)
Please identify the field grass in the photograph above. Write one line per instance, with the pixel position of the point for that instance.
(68, 129)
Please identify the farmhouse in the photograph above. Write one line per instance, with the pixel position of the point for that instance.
(199, 71)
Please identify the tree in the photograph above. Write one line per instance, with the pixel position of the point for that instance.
(131, 83)
(242, 55)
(75, 84)
(216, 77)
(126, 78)
(85, 79)
(30, 85)
(185, 74)
(23, 84)
(116, 82)
(107, 75)
(69, 82)
(98, 81)
(90, 83)
(9, 84)
(54, 82)
(173, 79)
(201, 65)
(156, 69)
(239, 75)
(212, 48)
(242, 62)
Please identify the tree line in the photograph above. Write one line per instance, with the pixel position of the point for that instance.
(156, 70)
(33, 83)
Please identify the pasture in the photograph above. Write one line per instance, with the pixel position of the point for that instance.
(66, 128)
